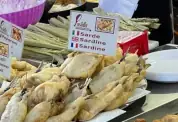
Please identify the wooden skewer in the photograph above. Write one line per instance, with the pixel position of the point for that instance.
(125, 54)
(39, 67)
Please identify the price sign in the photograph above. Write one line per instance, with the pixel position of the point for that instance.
(14, 35)
(93, 33)
(11, 44)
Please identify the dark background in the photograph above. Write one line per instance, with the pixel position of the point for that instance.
(157, 9)
(175, 4)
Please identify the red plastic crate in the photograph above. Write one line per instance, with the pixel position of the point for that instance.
(137, 41)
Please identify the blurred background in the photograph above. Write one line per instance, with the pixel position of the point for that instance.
(175, 9)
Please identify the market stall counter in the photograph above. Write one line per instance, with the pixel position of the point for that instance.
(160, 95)
(100, 85)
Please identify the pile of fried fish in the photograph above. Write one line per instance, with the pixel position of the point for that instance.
(85, 85)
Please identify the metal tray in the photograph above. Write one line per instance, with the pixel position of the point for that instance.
(46, 16)
(157, 113)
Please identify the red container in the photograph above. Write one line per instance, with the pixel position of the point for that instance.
(137, 41)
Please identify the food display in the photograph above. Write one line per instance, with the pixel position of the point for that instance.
(82, 87)
(17, 104)
(93, 1)
(64, 2)
(62, 5)
(134, 24)
(20, 68)
(57, 8)
(46, 41)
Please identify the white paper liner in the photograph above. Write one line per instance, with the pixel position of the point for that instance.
(139, 93)
(58, 8)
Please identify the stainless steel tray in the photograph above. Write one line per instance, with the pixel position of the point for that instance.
(157, 113)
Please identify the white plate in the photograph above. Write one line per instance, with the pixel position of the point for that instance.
(164, 66)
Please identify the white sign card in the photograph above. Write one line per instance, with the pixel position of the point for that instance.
(14, 35)
(93, 33)
(5, 57)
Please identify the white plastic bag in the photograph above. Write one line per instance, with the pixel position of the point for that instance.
(9, 6)
(123, 7)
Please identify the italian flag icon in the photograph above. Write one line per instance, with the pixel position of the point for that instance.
(73, 32)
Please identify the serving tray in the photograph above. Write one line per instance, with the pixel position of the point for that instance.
(109, 115)
(157, 113)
